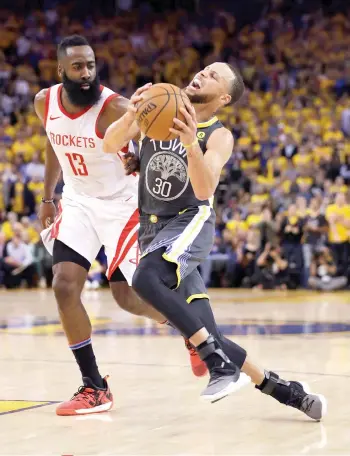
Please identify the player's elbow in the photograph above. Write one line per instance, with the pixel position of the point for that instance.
(107, 148)
(203, 194)
(202, 197)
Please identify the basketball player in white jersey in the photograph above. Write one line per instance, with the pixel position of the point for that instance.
(98, 207)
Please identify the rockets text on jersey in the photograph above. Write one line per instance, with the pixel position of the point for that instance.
(77, 142)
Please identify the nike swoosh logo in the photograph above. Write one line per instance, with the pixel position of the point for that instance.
(54, 118)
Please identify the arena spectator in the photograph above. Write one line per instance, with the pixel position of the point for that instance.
(272, 270)
(18, 263)
(315, 231)
(291, 232)
(43, 263)
(243, 269)
(217, 260)
(338, 218)
(2, 256)
(35, 169)
(323, 272)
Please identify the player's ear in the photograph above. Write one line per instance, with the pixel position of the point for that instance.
(60, 71)
(226, 99)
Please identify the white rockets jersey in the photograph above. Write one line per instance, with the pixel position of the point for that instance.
(75, 138)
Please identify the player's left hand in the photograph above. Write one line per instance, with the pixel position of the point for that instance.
(187, 132)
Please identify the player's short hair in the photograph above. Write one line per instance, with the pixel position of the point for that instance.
(236, 85)
(70, 41)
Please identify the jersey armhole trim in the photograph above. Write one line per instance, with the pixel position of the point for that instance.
(206, 138)
(111, 97)
(47, 104)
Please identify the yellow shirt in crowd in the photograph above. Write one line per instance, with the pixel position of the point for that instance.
(253, 219)
(236, 225)
(338, 231)
(7, 230)
(37, 188)
(24, 148)
(301, 160)
(18, 203)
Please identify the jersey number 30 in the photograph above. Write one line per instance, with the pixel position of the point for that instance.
(77, 164)
(162, 187)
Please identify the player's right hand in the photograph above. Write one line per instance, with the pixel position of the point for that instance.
(136, 98)
(47, 213)
(131, 163)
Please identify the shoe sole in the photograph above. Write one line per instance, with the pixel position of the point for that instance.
(99, 409)
(323, 400)
(232, 387)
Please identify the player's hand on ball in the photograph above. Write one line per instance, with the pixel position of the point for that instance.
(131, 163)
(187, 132)
(47, 213)
(136, 98)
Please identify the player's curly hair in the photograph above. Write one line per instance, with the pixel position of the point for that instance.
(237, 84)
(71, 41)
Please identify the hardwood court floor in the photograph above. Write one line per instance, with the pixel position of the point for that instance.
(301, 335)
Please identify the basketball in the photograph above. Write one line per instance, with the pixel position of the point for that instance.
(155, 114)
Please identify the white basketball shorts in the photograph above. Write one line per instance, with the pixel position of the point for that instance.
(86, 224)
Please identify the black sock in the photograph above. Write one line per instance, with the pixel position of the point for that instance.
(87, 362)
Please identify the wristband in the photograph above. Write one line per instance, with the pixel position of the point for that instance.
(47, 201)
(192, 144)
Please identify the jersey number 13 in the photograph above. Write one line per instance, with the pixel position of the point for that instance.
(77, 164)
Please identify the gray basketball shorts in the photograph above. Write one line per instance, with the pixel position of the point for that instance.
(187, 238)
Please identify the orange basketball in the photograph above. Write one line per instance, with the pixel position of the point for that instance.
(155, 114)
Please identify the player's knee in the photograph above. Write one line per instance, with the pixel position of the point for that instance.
(144, 279)
(119, 290)
(127, 299)
(65, 288)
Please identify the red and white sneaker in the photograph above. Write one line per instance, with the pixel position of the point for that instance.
(88, 399)
(199, 368)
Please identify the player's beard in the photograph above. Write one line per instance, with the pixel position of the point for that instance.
(197, 98)
(82, 97)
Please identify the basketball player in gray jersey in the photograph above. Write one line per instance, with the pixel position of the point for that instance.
(177, 181)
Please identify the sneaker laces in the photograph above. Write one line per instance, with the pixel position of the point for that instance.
(300, 400)
(82, 394)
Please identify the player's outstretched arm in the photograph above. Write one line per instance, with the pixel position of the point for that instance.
(125, 129)
(52, 167)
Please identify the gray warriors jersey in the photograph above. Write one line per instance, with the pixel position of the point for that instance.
(164, 186)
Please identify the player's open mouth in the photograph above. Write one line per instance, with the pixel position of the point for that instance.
(196, 84)
(85, 86)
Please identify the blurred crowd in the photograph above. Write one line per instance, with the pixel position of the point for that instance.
(283, 213)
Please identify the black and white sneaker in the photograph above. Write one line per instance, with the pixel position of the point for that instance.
(294, 394)
(225, 377)
(222, 384)
(313, 405)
